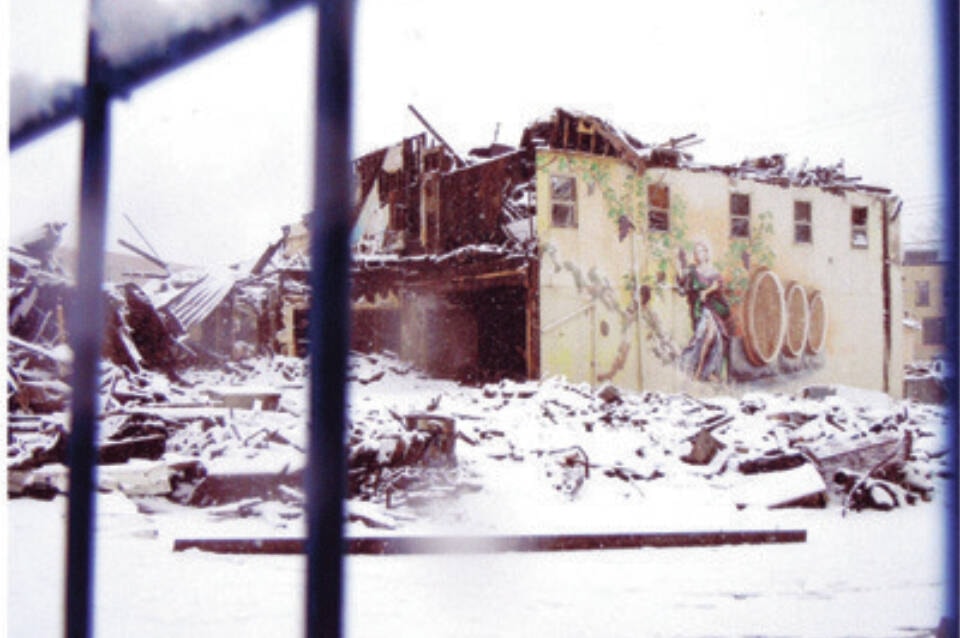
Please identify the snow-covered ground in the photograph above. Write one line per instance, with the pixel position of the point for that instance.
(871, 574)
(868, 573)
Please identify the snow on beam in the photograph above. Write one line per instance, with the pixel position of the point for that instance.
(139, 42)
(171, 39)
(37, 108)
(391, 545)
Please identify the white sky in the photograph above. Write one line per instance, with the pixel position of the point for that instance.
(211, 160)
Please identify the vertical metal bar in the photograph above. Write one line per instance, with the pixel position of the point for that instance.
(329, 319)
(86, 337)
(947, 26)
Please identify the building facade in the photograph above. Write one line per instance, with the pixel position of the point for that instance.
(925, 292)
(589, 254)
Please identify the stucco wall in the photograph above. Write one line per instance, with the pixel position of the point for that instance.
(610, 308)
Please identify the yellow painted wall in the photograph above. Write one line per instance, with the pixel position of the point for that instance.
(586, 314)
(593, 326)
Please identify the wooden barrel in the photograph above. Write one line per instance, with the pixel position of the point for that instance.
(817, 335)
(764, 318)
(798, 320)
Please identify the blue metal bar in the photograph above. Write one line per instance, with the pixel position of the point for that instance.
(62, 111)
(86, 338)
(124, 79)
(948, 81)
(329, 319)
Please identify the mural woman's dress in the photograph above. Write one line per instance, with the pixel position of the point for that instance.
(702, 285)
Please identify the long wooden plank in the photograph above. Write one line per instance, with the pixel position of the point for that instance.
(396, 545)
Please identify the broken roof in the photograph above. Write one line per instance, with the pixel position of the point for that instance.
(195, 303)
(575, 131)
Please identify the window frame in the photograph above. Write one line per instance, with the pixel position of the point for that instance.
(933, 331)
(740, 220)
(801, 226)
(560, 202)
(859, 228)
(658, 216)
(922, 293)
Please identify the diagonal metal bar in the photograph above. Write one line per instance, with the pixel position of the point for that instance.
(61, 111)
(123, 79)
(86, 339)
(329, 319)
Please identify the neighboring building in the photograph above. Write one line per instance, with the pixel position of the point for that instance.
(925, 293)
(589, 254)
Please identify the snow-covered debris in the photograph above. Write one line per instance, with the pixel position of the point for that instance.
(426, 453)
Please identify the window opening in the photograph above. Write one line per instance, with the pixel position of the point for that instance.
(858, 227)
(658, 214)
(802, 223)
(934, 331)
(923, 294)
(563, 195)
(739, 215)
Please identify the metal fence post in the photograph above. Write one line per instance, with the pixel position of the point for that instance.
(86, 338)
(946, 36)
(329, 319)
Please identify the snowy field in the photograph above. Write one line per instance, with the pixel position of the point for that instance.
(865, 573)
(869, 574)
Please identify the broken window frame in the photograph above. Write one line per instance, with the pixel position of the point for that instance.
(859, 230)
(563, 204)
(658, 208)
(922, 290)
(740, 215)
(802, 222)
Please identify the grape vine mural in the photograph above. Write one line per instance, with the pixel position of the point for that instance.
(665, 245)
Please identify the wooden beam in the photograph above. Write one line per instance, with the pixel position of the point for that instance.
(496, 544)
(443, 142)
(142, 253)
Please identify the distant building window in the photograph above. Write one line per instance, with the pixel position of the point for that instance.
(658, 214)
(563, 196)
(739, 215)
(920, 257)
(858, 227)
(934, 331)
(923, 294)
(802, 223)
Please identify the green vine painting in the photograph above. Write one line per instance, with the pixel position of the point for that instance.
(627, 208)
(629, 204)
(743, 254)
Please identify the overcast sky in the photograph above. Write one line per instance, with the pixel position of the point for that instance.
(212, 160)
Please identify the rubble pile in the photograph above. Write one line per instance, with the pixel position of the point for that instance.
(38, 358)
(812, 449)
(235, 437)
(231, 437)
(928, 381)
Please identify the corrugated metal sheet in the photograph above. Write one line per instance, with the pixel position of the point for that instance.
(198, 301)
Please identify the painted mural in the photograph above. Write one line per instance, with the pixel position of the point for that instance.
(741, 324)
(700, 282)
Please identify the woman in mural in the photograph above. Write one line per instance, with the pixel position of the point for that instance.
(701, 284)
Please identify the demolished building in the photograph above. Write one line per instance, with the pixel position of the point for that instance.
(587, 253)
(582, 253)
